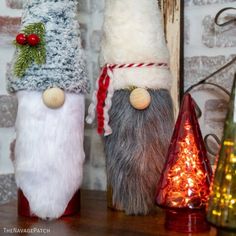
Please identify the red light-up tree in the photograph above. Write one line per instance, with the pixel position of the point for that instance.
(184, 186)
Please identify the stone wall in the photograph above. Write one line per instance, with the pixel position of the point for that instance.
(207, 48)
(9, 24)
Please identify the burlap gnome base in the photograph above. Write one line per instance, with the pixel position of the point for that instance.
(49, 151)
(133, 102)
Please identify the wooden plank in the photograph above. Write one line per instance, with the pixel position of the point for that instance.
(172, 11)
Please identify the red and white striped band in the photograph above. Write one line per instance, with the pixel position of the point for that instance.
(102, 96)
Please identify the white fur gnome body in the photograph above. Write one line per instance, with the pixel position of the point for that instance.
(49, 151)
(137, 114)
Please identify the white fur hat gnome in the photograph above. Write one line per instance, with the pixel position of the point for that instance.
(49, 78)
(133, 102)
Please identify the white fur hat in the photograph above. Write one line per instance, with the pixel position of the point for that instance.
(133, 33)
(133, 54)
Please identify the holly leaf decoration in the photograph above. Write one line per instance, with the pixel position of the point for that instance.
(28, 54)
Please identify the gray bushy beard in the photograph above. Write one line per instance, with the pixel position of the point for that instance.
(136, 150)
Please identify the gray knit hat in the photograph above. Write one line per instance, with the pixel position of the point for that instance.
(65, 65)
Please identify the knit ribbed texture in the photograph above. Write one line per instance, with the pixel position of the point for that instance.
(65, 65)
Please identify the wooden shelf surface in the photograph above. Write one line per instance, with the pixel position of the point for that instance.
(94, 220)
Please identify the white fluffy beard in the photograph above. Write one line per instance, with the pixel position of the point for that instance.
(49, 152)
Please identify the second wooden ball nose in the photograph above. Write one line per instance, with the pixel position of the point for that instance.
(140, 98)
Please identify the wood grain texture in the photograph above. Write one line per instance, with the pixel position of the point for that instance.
(172, 11)
(140, 98)
(94, 220)
(53, 97)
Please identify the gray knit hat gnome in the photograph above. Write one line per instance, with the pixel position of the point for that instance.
(49, 79)
(133, 103)
(64, 66)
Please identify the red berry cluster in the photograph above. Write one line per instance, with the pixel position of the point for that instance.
(32, 39)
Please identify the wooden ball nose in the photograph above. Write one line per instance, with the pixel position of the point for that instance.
(54, 98)
(140, 98)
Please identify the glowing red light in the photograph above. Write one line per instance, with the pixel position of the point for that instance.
(186, 177)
